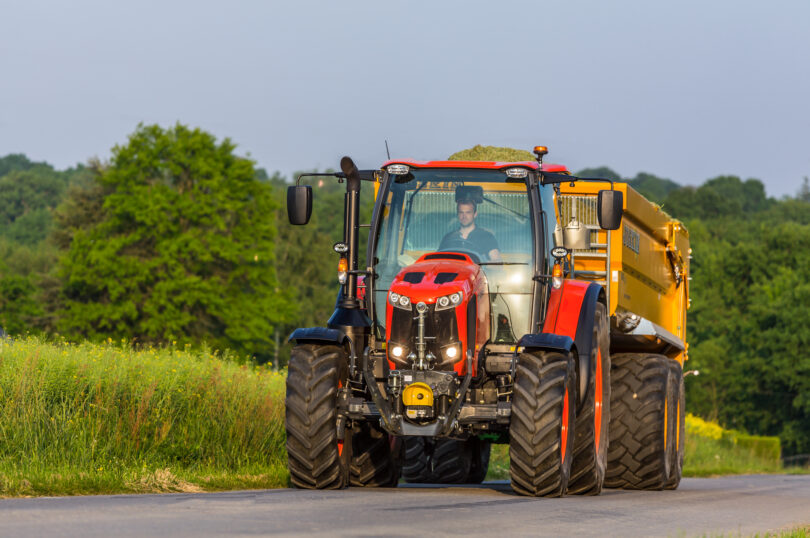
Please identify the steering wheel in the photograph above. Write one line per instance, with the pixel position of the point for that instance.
(459, 244)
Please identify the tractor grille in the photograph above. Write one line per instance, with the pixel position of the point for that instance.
(441, 329)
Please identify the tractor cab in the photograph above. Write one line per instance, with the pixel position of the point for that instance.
(465, 241)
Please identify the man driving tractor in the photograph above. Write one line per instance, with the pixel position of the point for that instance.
(469, 236)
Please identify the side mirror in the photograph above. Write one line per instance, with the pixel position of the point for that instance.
(609, 209)
(299, 204)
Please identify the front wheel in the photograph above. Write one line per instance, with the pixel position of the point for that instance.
(541, 433)
(315, 456)
(591, 444)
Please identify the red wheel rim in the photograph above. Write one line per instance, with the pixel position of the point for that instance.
(564, 429)
(597, 401)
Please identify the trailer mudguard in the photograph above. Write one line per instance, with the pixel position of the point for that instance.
(318, 335)
(571, 311)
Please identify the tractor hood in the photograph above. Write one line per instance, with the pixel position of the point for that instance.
(453, 289)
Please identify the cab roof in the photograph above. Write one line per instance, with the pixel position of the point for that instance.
(482, 165)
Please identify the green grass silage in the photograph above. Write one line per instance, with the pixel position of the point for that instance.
(102, 419)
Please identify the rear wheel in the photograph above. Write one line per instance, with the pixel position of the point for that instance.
(591, 444)
(678, 425)
(445, 461)
(316, 458)
(541, 431)
(641, 447)
(375, 460)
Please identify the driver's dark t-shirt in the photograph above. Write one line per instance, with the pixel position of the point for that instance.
(482, 240)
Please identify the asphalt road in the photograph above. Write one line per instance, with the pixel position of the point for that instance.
(740, 505)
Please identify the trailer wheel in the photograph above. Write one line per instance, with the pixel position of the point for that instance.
(641, 441)
(375, 457)
(315, 455)
(541, 432)
(436, 461)
(678, 425)
(591, 443)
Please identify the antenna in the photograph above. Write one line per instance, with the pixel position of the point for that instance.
(386, 149)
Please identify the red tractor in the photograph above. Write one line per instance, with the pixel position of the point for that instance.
(461, 331)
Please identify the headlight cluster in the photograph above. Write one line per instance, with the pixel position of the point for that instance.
(442, 303)
(449, 301)
(399, 301)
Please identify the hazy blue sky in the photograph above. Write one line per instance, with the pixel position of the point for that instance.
(687, 90)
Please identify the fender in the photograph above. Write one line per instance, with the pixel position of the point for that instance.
(571, 309)
(318, 335)
(547, 341)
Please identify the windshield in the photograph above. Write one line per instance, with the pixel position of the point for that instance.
(471, 211)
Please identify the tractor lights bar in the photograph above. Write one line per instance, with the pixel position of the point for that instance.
(516, 172)
(398, 169)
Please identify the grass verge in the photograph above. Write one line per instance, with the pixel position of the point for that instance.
(91, 419)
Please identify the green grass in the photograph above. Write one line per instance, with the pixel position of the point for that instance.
(78, 419)
(91, 419)
(710, 450)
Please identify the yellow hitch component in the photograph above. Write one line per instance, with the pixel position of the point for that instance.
(417, 394)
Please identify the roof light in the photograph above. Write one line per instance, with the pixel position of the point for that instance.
(540, 150)
(517, 172)
(398, 169)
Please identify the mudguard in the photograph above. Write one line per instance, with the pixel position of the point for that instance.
(318, 335)
(546, 341)
(571, 311)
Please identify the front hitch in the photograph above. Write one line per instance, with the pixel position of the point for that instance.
(393, 422)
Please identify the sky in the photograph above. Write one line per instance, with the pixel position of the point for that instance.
(686, 90)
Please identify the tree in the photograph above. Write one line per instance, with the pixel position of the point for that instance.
(181, 249)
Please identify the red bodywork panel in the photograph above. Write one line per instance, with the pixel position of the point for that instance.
(564, 306)
(471, 281)
(482, 165)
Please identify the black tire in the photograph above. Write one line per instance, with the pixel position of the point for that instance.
(641, 444)
(593, 420)
(436, 461)
(480, 460)
(678, 425)
(315, 456)
(375, 457)
(541, 432)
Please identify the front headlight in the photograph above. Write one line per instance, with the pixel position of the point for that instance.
(449, 301)
(451, 353)
(399, 301)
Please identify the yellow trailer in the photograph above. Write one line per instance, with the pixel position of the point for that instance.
(643, 266)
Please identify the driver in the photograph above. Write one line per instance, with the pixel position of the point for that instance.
(479, 239)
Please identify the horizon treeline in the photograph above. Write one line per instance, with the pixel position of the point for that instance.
(175, 239)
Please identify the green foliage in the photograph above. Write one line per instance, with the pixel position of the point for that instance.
(653, 187)
(103, 419)
(748, 327)
(492, 153)
(601, 172)
(181, 249)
